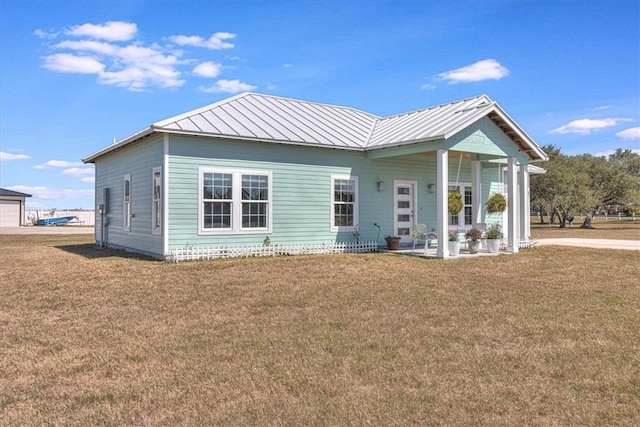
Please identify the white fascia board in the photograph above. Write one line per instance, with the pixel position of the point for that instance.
(521, 133)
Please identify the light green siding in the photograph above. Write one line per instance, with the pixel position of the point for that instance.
(137, 161)
(301, 188)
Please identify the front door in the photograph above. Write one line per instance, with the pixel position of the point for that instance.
(404, 193)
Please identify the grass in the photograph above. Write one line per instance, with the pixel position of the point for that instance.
(623, 229)
(548, 336)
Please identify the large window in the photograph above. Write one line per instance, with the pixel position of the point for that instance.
(235, 201)
(344, 202)
(126, 215)
(465, 217)
(156, 207)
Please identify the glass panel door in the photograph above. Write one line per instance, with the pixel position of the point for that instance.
(403, 210)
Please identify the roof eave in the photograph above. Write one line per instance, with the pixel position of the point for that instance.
(531, 148)
(118, 145)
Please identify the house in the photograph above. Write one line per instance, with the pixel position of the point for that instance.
(12, 208)
(254, 169)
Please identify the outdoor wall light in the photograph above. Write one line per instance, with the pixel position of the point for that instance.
(380, 186)
(432, 188)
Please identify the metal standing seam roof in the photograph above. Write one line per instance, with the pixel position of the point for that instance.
(251, 116)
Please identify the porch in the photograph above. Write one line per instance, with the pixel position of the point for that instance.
(432, 250)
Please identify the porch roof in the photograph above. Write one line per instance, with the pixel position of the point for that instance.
(266, 118)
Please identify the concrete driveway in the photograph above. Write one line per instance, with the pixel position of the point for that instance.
(48, 229)
(633, 245)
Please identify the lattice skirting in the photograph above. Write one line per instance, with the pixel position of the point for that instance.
(189, 253)
(522, 244)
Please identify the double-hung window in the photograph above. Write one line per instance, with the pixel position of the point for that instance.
(465, 217)
(235, 201)
(156, 207)
(126, 214)
(344, 202)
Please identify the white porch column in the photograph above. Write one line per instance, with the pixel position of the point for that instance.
(442, 191)
(512, 206)
(525, 203)
(476, 191)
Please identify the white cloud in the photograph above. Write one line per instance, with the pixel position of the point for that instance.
(215, 42)
(68, 63)
(207, 69)
(111, 52)
(488, 69)
(58, 164)
(78, 172)
(631, 133)
(586, 126)
(88, 179)
(42, 192)
(44, 35)
(112, 31)
(604, 107)
(88, 45)
(8, 156)
(229, 86)
(427, 86)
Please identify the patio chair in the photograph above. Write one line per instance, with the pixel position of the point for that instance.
(422, 234)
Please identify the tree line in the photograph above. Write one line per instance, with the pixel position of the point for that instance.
(584, 184)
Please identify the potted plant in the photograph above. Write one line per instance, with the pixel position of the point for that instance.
(454, 202)
(473, 237)
(496, 203)
(393, 242)
(454, 243)
(494, 236)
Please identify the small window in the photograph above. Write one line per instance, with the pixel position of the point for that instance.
(126, 217)
(344, 202)
(156, 207)
(235, 201)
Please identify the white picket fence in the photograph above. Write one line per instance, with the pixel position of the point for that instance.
(190, 253)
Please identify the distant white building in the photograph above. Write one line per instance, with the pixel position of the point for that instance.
(12, 212)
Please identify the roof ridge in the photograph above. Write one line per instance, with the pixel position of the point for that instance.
(433, 107)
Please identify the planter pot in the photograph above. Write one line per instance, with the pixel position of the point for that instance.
(474, 246)
(493, 245)
(393, 243)
(454, 248)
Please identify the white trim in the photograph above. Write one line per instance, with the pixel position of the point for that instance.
(156, 230)
(236, 202)
(126, 205)
(461, 223)
(442, 191)
(356, 203)
(165, 189)
(512, 206)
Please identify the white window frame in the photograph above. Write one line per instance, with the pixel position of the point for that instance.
(461, 215)
(126, 204)
(236, 202)
(333, 227)
(156, 203)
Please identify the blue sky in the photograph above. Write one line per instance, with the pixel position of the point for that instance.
(74, 75)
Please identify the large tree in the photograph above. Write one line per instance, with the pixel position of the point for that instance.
(582, 184)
